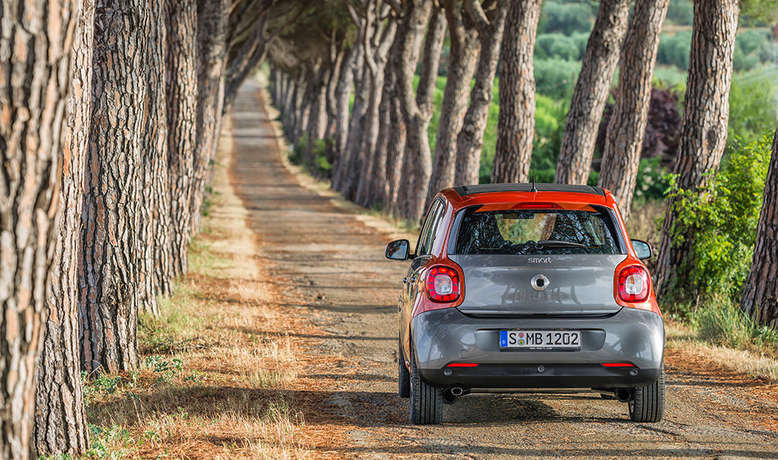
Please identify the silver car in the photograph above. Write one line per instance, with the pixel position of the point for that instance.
(516, 286)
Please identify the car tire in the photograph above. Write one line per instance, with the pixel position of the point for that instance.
(648, 401)
(426, 399)
(403, 376)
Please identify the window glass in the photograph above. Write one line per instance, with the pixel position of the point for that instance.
(537, 231)
(430, 226)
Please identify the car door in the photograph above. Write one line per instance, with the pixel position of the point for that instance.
(411, 283)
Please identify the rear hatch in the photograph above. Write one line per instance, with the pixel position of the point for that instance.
(574, 285)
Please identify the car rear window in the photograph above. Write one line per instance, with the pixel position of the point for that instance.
(537, 231)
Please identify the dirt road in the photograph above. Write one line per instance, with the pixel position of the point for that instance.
(326, 266)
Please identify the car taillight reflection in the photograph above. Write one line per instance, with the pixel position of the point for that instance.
(633, 284)
(443, 284)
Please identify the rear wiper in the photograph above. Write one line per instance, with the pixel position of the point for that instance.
(560, 244)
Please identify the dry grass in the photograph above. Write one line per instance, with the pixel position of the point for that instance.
(211, 383)
(756, 363)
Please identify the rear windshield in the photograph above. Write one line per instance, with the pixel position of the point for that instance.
(537, 231)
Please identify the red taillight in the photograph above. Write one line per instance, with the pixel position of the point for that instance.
(618, 365)
(463, 365)
(443, 284)
(633, 284)
(533, 205)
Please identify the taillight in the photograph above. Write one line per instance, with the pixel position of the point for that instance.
(443, 284)
(633, 284)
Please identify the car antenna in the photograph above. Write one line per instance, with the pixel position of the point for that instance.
(532, 187)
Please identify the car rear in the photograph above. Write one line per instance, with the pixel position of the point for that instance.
(538, 294)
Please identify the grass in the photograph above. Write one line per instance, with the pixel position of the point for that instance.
(210, 382)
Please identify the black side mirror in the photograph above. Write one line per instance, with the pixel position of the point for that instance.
(398, 250)
(642, 249)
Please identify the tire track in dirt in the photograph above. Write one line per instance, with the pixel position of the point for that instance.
(326, 267)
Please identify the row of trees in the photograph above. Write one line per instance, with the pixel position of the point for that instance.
(111, 115)
(385, 55)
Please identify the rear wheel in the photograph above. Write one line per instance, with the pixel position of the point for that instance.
(426, 399)
(403, 376)
(648, 401)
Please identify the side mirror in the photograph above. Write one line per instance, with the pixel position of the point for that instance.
(398, 250)
(642, 249)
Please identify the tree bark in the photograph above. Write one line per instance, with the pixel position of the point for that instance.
(212, 21)
(343, 93)
(109, 279)
(516, 122)
(470, 138)
(374, 158)
(624, 138)
(704, 130)
(35, 52)
(760, 296)
(154, 231)
(461, 66)
(182, 131)
(417, 111)
(395, 141)
(60, 420)
(251, 54)
(591, 92)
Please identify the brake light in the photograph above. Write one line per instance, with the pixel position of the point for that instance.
(533, 205)
(617, 365)
(633, 285)
(443, 284)
(463, 365)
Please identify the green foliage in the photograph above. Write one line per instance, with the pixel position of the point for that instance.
(651, 182)
(164, 369)
(722, 217)
(752, 107)
(565, 17)
(103, 437)
(550, 115)
(556, 77)
(721, 322)
(557, 45)
(680, 12)
(674, 49)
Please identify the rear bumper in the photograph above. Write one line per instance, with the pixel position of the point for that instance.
(442, 337)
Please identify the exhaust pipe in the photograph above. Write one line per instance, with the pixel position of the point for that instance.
(457, 391)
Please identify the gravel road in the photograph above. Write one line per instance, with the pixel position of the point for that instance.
(326, 265)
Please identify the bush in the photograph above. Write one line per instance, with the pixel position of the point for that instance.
(674, 49)
(723, 217)
(721, 322)
(557, 45)
(565, 18)
(680, 12)
(744, 62)
(556, 77)
(752, 108)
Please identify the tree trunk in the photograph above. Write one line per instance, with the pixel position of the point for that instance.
(182, 130)
(109, 279)
(248, 57)
(317, 119)
(35, 47)
(60, 420)
(333, 79)
(591, 92)
(374, 158)
(342, 95)
(212, 18)
(516, 122)
(154, 230)
(461, 66)
(760, 296)
(704, 130)
(352, 160)
(624, 139)
(470, 138)
(417, 111)
(395, 141)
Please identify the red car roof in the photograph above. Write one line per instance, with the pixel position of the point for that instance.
(463, 196)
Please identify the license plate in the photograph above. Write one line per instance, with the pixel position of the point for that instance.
(540, 339)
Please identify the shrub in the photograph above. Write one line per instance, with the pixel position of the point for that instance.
(752, 110)
(674, 49)
(721, 322)
(722, 217)
(556, 77)
(680, 12)
(556, 45)
(566, 18)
